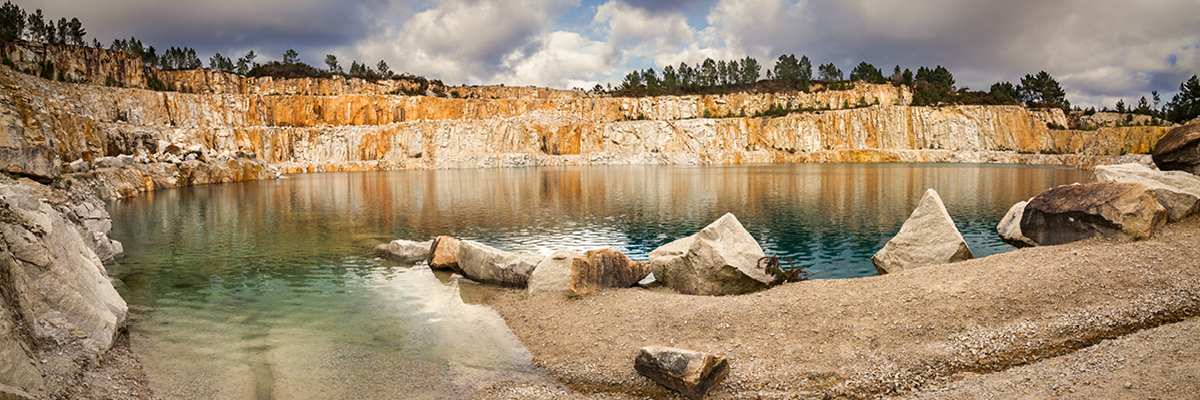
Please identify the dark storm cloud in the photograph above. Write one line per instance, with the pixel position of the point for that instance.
(269, 27)
(1098, 49)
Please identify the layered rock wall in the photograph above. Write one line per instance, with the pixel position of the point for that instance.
(306, 125)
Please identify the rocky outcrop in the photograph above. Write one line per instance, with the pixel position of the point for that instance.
(553, 274)
(1009, 227)
(407, 251)
(693, 374)
(721, 259)
(1116, 210)
(443, 253)
(1179, 149)
(483, 263)
(58, 305)
(127, 179)
(928, 237)
(38, 162)
(604, 268)
(1177, 191)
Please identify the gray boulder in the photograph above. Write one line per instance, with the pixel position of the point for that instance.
(553, 274)
(39, 163)
(928, 237)
(693, 374)
(407, 251)
(1179, 149)
(1115, 210)
(721, 259)
(1009, 227)
(1177, 191)
(59, 301)
(483, 263)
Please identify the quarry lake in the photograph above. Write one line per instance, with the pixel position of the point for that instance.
(272, 289)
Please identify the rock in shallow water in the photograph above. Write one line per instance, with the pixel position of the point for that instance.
(721, 259)
(1115, 210)
(1177, 191)
(928, 237)
(690, 373)
(443, 253)
(483, 263)
(408, 251)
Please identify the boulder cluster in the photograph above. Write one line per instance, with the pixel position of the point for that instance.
(721, 259)
(1127, 201)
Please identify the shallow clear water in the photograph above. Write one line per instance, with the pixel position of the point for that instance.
(271, 289)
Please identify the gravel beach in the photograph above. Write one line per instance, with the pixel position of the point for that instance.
(1061, 316)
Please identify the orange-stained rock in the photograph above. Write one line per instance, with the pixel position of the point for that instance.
(604, 268)
(444, 253)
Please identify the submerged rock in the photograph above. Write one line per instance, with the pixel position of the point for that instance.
(928, 237)
(1115, 210)
(553, 274)
(605, 268)
(443, 253)
(1177, 191)
(1009, 227)
(721, 259)
(483, 263)
(1179, 149)
(408, 251)
(693, 374)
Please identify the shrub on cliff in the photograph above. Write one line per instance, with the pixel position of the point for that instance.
(276, 69)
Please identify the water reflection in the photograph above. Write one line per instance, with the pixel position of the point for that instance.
(269, 289)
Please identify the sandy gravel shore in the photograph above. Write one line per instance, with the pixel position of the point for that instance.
(963, 330)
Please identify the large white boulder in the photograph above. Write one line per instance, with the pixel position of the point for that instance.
(928, 237)
(1009, 227)
(1177, 191)
(483, 263)
(721, 259)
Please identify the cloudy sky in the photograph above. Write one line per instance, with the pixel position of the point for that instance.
(1100, 50)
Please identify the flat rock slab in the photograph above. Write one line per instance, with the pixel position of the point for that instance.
(721, 259)
(928, 237)
(483, 263)
(1177, 191)
(1179, 149)
(604, 268)
(1114, 210)
(691, 373)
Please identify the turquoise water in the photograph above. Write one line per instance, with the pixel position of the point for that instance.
(271, 289)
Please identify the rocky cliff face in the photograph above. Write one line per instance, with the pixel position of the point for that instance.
(58, 308)
(308, 125)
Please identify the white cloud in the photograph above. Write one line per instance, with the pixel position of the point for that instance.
(565, 60)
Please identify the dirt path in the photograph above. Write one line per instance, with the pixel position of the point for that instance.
(924, 329)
